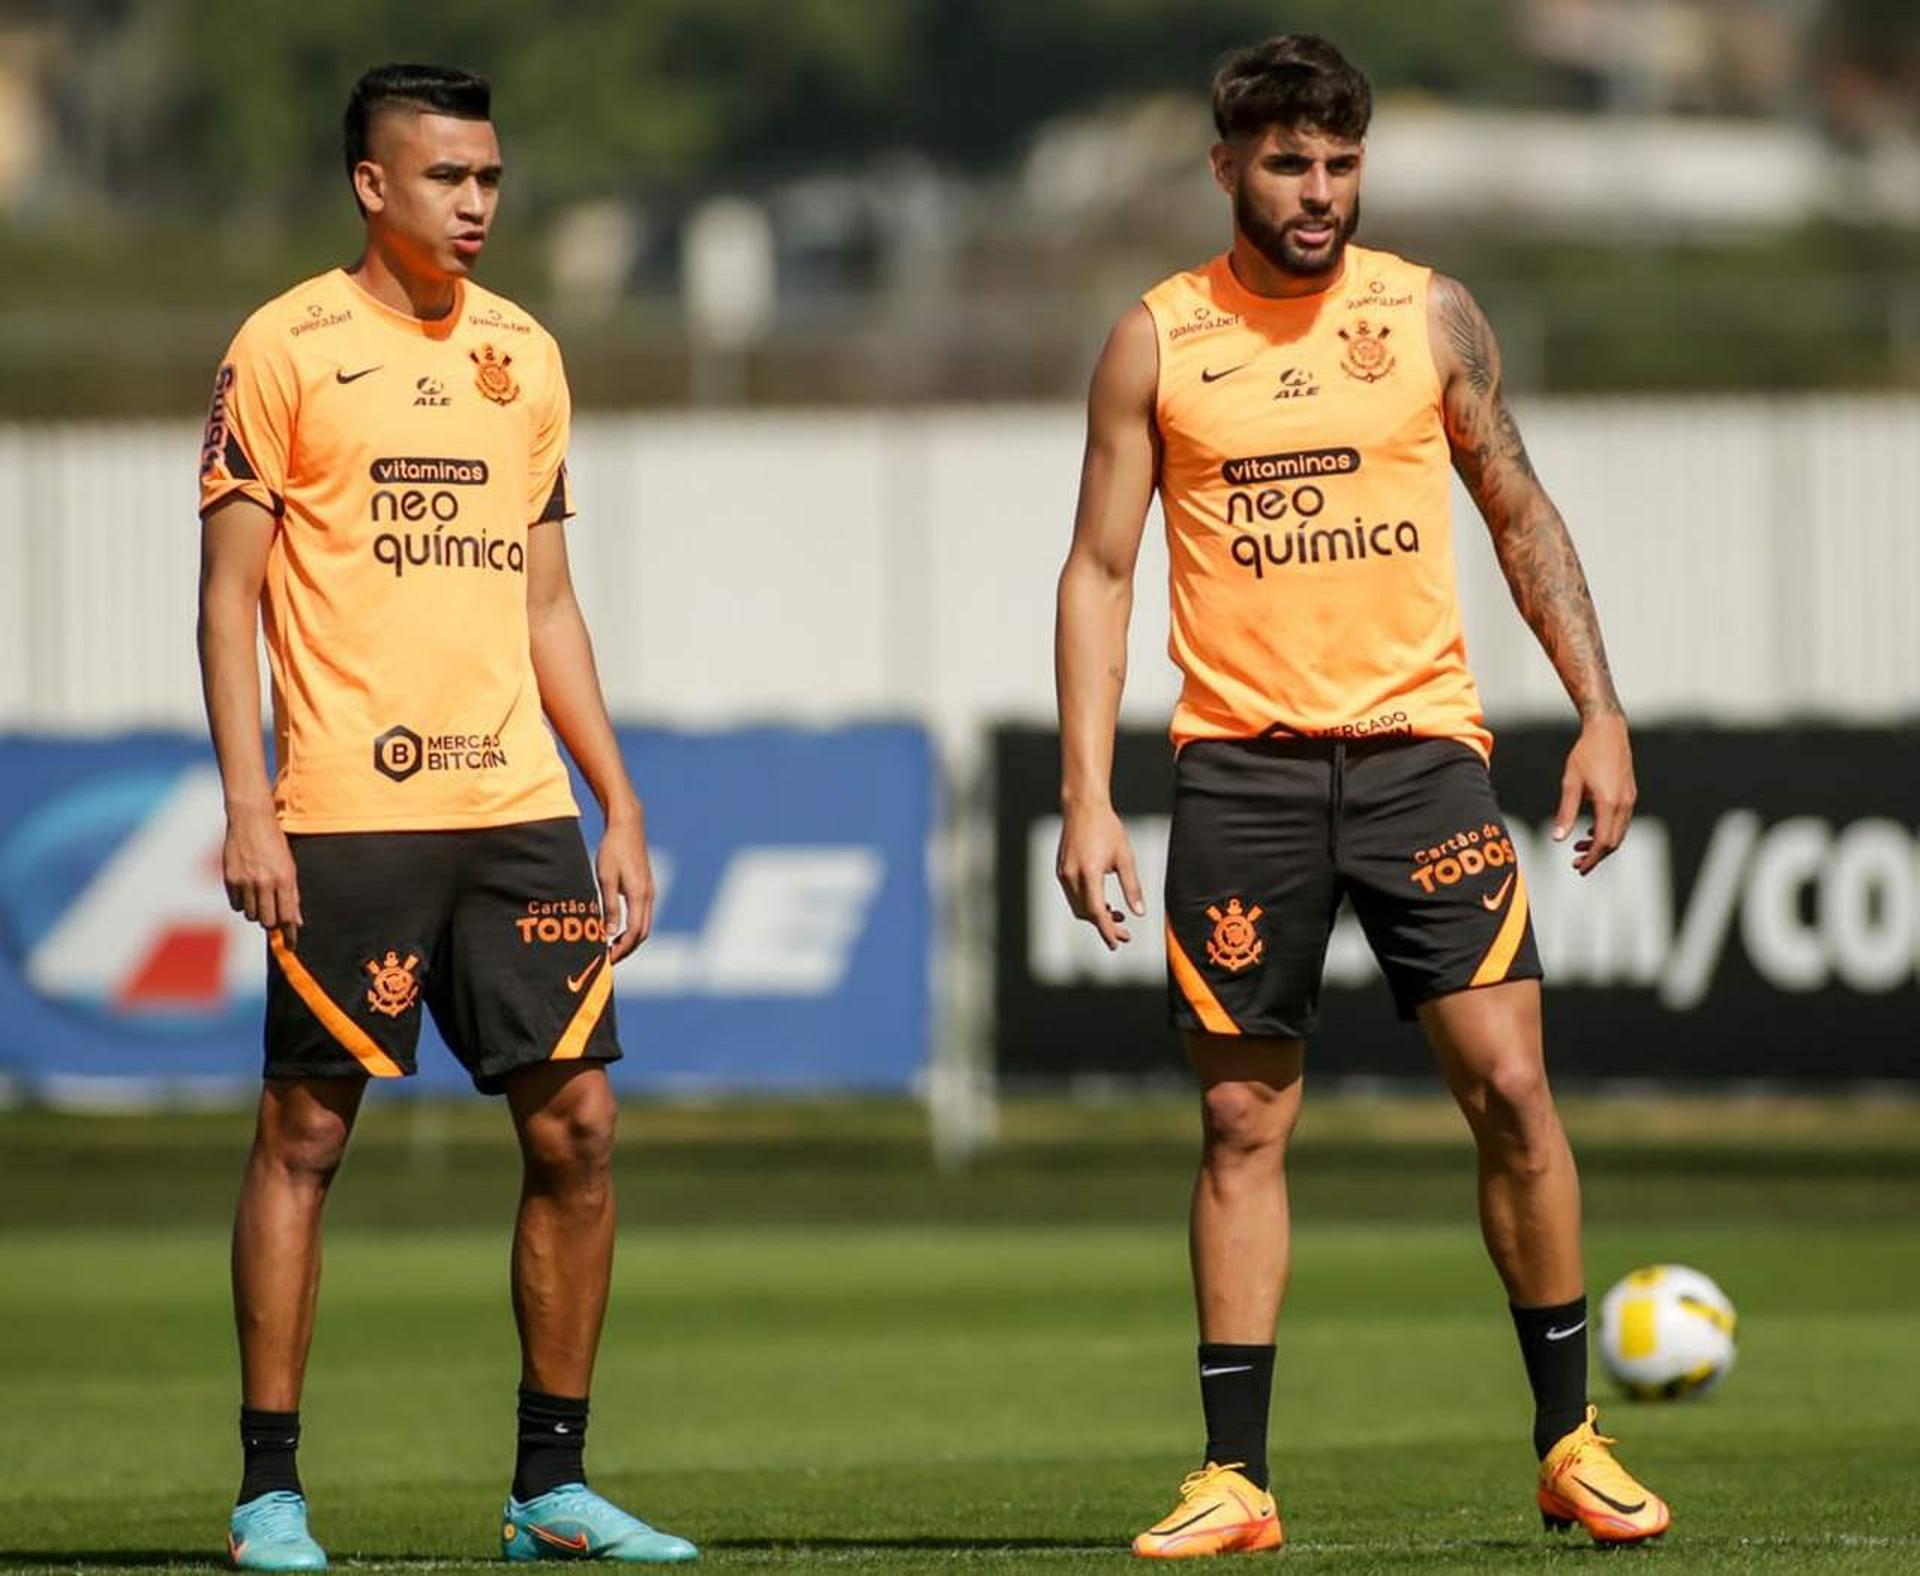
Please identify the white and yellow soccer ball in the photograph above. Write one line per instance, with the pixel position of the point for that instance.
(1666, 1331)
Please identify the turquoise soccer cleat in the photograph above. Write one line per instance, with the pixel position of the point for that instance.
(572, 1522)
(270, 1534)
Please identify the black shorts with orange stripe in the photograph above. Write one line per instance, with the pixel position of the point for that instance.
(496, 932)
(1270, 834)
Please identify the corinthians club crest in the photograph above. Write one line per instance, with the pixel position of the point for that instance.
(1234, 944)
(1367, 357)
(491, 376)
(395, 986)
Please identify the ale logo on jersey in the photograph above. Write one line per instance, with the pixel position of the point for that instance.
(1296, 383)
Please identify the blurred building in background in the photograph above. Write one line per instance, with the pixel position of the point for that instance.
(955, 196)
(829, 279)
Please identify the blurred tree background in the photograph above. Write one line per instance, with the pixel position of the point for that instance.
(178, 161)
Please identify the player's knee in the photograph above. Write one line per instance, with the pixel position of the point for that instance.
(574, 1144)
(1515, 1111)
(306, 1150)
(1243, 1123)
(1516, 1089)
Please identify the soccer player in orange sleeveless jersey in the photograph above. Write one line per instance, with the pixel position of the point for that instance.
(1298, 403)
(383, 482)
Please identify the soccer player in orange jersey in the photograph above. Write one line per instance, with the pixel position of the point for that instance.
(1298, 403)
(383, 485)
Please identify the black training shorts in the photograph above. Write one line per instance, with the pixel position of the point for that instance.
(1269, 834)
(497, 931)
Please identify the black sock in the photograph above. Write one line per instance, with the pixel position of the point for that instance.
(553, 1439)
(1553, 1345)
(269, 1440)
(1236, 1385)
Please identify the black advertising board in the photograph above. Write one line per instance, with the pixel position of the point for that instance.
(1762, 920)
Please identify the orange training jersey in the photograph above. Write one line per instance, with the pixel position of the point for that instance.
(405, 463)
(1305, 478)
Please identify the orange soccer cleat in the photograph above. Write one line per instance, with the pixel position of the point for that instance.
(1580, 1481)
(1220, 1512)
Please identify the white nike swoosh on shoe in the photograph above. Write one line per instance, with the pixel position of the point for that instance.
(1561, 1335)
(1214, 1373)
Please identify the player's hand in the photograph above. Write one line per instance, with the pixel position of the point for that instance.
(1093, 845)
(1599, 772)
(257, 866)
(626, 884)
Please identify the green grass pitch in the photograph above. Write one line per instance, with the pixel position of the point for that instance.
(823, 1355)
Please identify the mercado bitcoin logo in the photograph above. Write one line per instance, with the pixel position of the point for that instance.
(400, 752)
(397, 754)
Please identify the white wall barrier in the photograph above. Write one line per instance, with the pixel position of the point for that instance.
(1752, 558)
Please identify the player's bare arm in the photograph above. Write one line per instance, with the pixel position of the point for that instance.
(1538, 558)
(571, 697)
(255, 860)
(1090, 633)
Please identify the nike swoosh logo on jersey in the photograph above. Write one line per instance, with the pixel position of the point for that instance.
(575, 981)
(344, 376)
(1625, 1510)
(1492, 903)
(1209, 376)
(1561, 1335)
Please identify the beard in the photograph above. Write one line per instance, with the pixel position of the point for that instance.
(1275, 241)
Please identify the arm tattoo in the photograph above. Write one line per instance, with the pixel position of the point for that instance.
(1468, 334)
(1536, 553)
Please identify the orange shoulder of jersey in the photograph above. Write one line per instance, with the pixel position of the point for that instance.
(1306, 484)
(406, 461)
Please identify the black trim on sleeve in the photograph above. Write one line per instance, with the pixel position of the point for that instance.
(555, 507)
(239, 467)
(275, 502)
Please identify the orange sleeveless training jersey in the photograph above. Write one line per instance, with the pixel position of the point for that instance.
(405, 463)
(1305, 478)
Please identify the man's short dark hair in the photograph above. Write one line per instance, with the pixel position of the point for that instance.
(440, 89)
(1296, 80)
